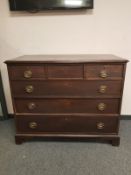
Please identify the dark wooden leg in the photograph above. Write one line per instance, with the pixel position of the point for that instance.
(115, 142)
(19, 140)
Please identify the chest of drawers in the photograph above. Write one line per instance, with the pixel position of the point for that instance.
(67, 96)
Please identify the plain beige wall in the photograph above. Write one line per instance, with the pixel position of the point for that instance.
(106, 29)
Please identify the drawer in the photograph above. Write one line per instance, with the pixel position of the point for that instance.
(99, 106)
(26, 72)
(65, 71)
(74, 88)
(76, 124)
(103, 71)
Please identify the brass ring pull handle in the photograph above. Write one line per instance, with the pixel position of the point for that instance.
(103, 74)
(33, 125)
(28, 74)
(31, 106)
(102, 89)
(100, 125)
(101, 106)
(29, 89)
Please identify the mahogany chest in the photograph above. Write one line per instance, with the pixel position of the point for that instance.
(67, 96)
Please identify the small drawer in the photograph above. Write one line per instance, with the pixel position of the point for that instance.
(66, 88)
(103, 71)
(98, 106)
(65, 71)
(26, 72)
(65, 124)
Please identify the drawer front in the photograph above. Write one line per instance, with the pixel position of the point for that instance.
(99, 106)
(103, 71)
(64, 71)
(77, 124)
(67, 88)
(26, 72)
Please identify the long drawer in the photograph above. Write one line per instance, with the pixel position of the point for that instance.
(66, 88)
(77, 124)
(99, 106)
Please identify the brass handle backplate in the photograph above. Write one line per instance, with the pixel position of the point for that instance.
(33, 125)
(100, 125)
(31, 106)
(29, 89)
(28, 74)
(101, 106)
(103, 74)
(102, 89)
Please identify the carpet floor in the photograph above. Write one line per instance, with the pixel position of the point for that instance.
(64, 158)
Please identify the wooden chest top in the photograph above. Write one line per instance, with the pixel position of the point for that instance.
(82, 58)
